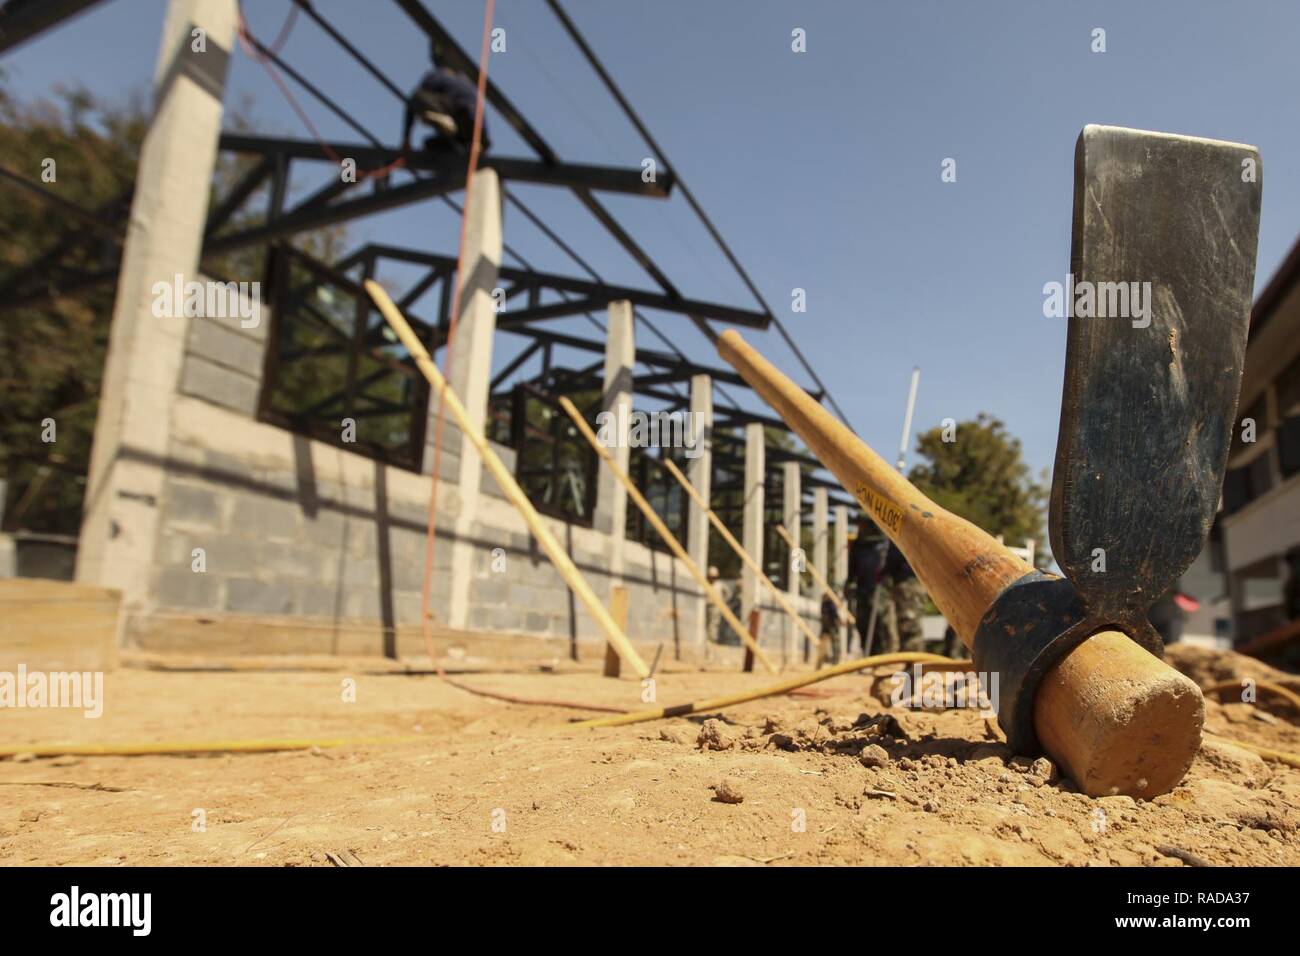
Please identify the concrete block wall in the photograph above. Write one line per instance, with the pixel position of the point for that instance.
(293, 527)
(222, 361)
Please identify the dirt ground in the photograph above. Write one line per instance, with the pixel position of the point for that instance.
(830, 776)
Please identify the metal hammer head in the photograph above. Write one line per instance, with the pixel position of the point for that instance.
(1162, 269)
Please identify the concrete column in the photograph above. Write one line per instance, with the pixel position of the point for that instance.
(839, 566)
(700, 472)
(821, 502)
(611, 496)
(469, 367)
(752, 532)
(164, 236)
(469, 373)
(839, 570)
(792, 518)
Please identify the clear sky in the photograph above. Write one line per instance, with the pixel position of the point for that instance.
(821, 168)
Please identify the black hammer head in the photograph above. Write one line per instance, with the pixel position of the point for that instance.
(1163, 263)
(1158, 299)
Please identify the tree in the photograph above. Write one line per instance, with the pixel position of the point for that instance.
(54, 353)
(981, 476)
(84, 149)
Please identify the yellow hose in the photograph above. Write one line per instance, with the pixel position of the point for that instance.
(1268, 753)
(1286, 694)
(194, 747)
(781, 687)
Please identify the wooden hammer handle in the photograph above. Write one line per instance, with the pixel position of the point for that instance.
(962, 567)
(1116, 718)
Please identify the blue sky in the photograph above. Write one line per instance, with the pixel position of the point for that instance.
(821, 168)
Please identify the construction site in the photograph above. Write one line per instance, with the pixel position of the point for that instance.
(402, 466)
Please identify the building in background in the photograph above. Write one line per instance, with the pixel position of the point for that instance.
(1260, 518)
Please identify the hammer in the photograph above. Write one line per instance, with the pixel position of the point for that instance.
(1162, 269)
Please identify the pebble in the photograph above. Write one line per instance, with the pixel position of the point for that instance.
(1042, 767)
(728, 791)
(715, 735)
(874, 755)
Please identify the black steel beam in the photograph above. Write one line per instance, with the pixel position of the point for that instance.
(556, 310)
(23, 20)
(645, 356)
(569, 175)
(317, 217)
(239, 194)
(649, 300)
(111, 230)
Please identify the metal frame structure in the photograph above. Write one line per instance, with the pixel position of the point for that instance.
(436, 178)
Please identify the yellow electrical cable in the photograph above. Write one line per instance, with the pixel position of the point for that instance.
(781, 687)
(194, 747)
(1286, 694)
(1268, 753)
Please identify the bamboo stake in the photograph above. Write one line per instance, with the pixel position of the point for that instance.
(744, 555)
(514, 494)
(669, 539)
(821, 581)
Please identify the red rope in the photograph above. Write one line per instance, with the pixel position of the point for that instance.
(252, 47)
(432, 527)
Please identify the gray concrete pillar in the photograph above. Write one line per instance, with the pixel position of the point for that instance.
(469, 373)
(752, 532)
(839, 566)
(792, 518)
(700, 472)
(469, 366)
(821, 502)
(163, 240)
(839, 569)
(616, 399)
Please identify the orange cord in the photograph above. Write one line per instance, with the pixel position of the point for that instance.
(250, 44)
(431, 530)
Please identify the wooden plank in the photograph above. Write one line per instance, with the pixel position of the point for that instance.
(618, 597)
(58, 625)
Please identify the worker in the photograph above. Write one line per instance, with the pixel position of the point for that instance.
(716, 629)
(444, 101)
(828, 643)
(903, 603)
(866, 559)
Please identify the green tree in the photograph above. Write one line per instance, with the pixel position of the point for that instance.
(981, 476)
(54, 351)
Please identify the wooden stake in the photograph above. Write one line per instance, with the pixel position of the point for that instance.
(618, 611)
(755, 618)
(744, 555)
(669, 539)
(514, 494)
